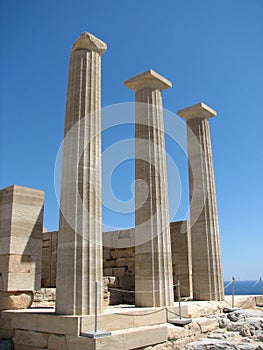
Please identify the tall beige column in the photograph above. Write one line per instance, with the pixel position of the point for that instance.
(206, 252)
(79, 262)
(153, 260)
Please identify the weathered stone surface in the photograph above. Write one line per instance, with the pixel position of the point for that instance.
(243, 314)
(80, 343)
(16, 300)
(207, 325)
(245, 331)
(6, 327)
(148, 79)
(223, 322)
(206, 254)
(175, 332)
(124, 339)
(209, 344)
(79, 258)
(180, 343)
(116, 255)
(89, 42)
(153, 260)
(45, 297)
(193, 328)
(165, 346)
(57, 341)
(21, 226)
(49, 259)
(252, 323)
(236, 315)
(230, 341)
(28, 338)
(182, 257)
(201, 308)
(6, 333)
(221, 335)
(143, 336)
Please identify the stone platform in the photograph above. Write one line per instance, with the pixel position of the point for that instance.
(130, 327)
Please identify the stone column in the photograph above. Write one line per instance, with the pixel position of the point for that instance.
(206, 252)
(79, 262)
(153, 261)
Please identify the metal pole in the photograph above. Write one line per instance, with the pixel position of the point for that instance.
(96, 307)
(179, 299)
(233, 291)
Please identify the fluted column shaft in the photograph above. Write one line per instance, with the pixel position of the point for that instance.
(80, 236)
(206, 251)
(153, 261)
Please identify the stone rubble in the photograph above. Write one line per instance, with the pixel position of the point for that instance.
(237, 330)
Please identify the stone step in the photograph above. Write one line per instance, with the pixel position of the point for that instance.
(124, 339)
(123, 319)
(45, 320)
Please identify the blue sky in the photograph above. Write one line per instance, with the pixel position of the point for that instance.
(210, 49)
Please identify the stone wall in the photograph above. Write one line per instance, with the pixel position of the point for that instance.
(118, 253)
(49, 259)
(119, 261)
(182, 257)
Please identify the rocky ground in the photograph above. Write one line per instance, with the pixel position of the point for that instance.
(237, 330)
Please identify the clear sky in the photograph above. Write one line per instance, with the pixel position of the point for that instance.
(212, 52)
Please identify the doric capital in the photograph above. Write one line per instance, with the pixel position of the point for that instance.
(200, 110)
(148, 79)
(89, 42)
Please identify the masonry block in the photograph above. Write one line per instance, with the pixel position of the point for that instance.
(21, 226)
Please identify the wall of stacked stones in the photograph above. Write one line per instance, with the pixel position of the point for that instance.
(119, 261)
(49, 259)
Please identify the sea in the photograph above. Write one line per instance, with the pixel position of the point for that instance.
(252, 287)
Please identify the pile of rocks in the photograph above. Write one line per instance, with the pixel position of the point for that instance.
(237, 330)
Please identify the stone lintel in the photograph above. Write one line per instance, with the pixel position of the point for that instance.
(148, 79)
(199, 110)
(89, 42)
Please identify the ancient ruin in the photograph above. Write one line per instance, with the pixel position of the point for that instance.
(21, 227)
(79, 261)
(153, 261)
(78, 256)
(206, 254)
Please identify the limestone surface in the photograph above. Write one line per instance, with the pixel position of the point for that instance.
(16, 300)
(153, 260)
(206, 253)
(89, 42)
(21, 226)
(119, 261)
(216, 331)
(79, 259)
